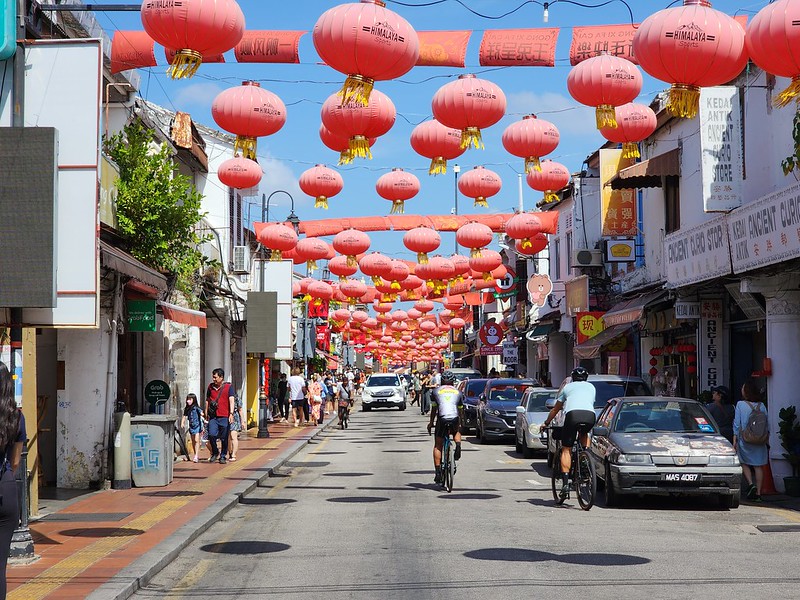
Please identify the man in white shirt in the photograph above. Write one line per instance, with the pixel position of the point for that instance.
(297, 394)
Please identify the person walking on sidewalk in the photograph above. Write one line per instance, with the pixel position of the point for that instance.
(752, 456)
(283, 398)
(297, 394)
(236, 427)
(315, 398)
(220, 399)
(193, 419)
(12, 436)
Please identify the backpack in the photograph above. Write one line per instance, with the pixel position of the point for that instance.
(756, 431)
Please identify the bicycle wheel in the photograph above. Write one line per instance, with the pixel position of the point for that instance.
(585, 480)
(451, 469)
(555, 477)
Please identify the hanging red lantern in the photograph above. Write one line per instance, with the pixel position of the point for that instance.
(375, 265)
(422, 240)
(351, 242)
(397, 273)
(424, 306)
(461, 266)
(653, 352)
(691, 348)
(653, 371)
(322, 183)
(353, 289)
(691, 369)
(339, 266)
(367, 42)
(360, 316)
(523, 227)
(457, 323)
(400, 315)
(691, 359)
(486, 263)
(469, 104)
(635, 123)
(553, 177)
(194, 28)
(690, 46)
(342, 315)
(654, 361)
(278, 238)
(319, 291)
(433, 140)
(436, 272)
(474, 236)
(530, 139)
(249, 112)
(480, 183)
(310, 250)
(382, 307)
(240, 173)
(397, 186)
(340, 144)
(772, 42)
(453, 302)
(428, 326)
(537, 244)
(359, 123)
(604, 81)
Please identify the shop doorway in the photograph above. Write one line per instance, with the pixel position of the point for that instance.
(748, 349)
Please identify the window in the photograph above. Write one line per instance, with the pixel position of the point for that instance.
(568, 248)
(672, 204)
(555, 259)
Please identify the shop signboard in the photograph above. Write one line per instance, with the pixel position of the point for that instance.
(618, 212)
(507, 286)
(766, 231)
(577, 295)
(721, 162)
(687, 310)
(510, 353)
(697, 254)
(711, 364)
(588, 325)
(141, 315)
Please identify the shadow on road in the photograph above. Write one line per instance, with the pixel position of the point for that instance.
(245, 547)
(584, 558)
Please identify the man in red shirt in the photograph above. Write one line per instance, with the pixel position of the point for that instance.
(220, 399)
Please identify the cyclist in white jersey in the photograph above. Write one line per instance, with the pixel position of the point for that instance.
(447, 407)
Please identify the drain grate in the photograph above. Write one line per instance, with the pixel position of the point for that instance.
(86, 517)
(778, 528)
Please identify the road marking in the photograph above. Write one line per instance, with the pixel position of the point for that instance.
(511, 461)
(789, 515)
(192, 578)
(537, 482)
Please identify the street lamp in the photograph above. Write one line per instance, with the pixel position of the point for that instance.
(456, 171)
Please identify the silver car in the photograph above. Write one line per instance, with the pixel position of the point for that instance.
(383, 389)
(531, 413)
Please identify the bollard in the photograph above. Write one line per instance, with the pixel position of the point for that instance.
(21, 539)
(122, 451)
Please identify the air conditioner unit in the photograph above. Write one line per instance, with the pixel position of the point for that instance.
(586, 258)
(241, 259)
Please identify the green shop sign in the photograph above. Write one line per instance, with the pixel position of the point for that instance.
(141, 315)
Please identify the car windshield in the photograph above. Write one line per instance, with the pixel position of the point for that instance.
(386, 380)
(474, 389)
(605, 390)
(507, 393)
(537, 400)
(668, 416)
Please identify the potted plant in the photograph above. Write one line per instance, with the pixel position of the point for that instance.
(789, 432)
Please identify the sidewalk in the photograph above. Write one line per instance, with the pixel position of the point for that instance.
(107, 544)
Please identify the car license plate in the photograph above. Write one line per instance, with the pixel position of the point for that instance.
(687, 478)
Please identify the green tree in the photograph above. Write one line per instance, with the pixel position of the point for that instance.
(158, 209)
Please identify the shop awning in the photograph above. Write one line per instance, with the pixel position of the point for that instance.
(631, 310)
(180, 314)
(648, 173)
(122, 262)
(541, 329)
(591, 348)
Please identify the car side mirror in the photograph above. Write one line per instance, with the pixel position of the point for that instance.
(482, 398)
(550, 403)
(520, 410)
(600, 431)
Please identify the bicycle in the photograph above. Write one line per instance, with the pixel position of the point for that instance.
(582, 475)
(448, 464)
(344, 415)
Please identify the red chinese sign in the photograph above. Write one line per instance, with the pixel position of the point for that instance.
(318, 311)
(442, 48)
(588, 42)
(618, 214)
(519, 47)
(269, 47)
(588, 325)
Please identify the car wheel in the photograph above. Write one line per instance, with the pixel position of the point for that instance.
(518, 446)
(527, 451)
(729, 501)
(403, 406)
(612, 497)
(482, 434)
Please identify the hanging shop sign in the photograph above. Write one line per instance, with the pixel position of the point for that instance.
(618, 207)
(698, 254)
(577, 295)
(539, 288)
(710, 358)
(510, 353)
(588, 325)
(141, 315)
(491, 334)
(442, 48)
(766, 231)
(620, 250)
(721, 161)
(507, 286)
(687, 310)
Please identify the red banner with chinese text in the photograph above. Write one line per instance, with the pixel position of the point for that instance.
(442, 48)
(588, 325)
(519, 47)
(618, 207)
(269, 47)
(318, 310)
(323, 337)
(132, 50)
(588, 42)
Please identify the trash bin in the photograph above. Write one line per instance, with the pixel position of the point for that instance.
(152, 439)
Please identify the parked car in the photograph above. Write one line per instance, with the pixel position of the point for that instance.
(383, 389)
(660, 445)
(606, 387)
(461, 374)
(531, 413)
(471, 389)
(497, 407)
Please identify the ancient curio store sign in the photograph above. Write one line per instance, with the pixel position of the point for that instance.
(697, 254)
(711, 362)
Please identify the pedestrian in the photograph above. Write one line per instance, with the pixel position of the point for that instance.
(330, 391)
(752, 456)
(283, 398)
(425, 390)
(193, 419)
(12, 436)
(722, 410)
(220, 399)
(237, 425)
(297, 394)
(315, 398)
(345, 401)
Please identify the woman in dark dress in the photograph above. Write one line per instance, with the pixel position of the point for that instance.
(12, 436)
(722, 410)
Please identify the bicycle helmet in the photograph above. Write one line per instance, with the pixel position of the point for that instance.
(448, 378)
(579, 374)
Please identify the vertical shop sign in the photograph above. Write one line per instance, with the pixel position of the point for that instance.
(710, 358)
(618, 214)
(721, 148)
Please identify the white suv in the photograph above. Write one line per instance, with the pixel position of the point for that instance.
(383, 389)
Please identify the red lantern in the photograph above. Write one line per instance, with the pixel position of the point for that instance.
(397, 186)
(474, 236)
(319, 291)
(653, 371)
(553, 177)
(480, 183)
(353, 289)
(249, 112)
(240, 173)
(359, 123)
(530, 139)
(690, 46)
(340, 144)
(321, 182)
(382, 307)
(397, 273)
(635, 123)
(338, 266)
(375, 265)
(310, 250)
(457, 323)
(422, 240)
(433, 140)
(360, 316)
(195, 28)
(604, 82)
(437, 272)
(366, 42)
(654, 361)
(351, 242)
(524, 226)
(537, 244)
(428, 326)
(691, 369)
(453, 302)
(461, 266)
(486, 263)
(278, 238)
(341, 315)
(424, 306)
(772, 42)
(469, 104)
(400, 315)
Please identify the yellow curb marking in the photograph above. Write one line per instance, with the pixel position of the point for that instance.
(192, 578)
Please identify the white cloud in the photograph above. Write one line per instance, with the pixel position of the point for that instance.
(196, 94)
(562, 111)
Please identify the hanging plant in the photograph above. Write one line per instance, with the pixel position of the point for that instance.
(790, 163)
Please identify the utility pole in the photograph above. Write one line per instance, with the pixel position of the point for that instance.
(456, 171)
(263, 403)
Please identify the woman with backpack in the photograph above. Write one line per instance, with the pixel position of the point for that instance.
(750, 436)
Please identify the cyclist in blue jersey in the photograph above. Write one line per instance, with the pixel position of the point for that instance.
(577, 400)
(447, 407)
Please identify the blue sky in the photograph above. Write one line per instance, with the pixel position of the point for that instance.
(285, 155)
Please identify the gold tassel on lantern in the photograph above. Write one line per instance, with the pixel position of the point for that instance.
(526, 243)
(532, 163)
(247, 145)
(630, 150)
(359, 147)
(606, 116)
(376, 280)
(481, 201)
(311, 265)
(487, 277)
(356, 89)
(438, 166)
(684, 101)
(475, 253)
(342, 278)
(345, 157)
(306, 298)
(398, 207)
(321, 202)
(351, 261)
(790, 93)
(550, 196)
(395, 286)
(422, 258)
(185, 64)
(275, 255)
(471, 136)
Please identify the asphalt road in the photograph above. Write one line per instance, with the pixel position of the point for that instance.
(356, 515)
